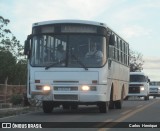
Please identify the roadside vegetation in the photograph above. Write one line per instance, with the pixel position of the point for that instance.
(12, 61)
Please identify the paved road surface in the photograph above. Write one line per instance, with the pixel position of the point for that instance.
(134, 110)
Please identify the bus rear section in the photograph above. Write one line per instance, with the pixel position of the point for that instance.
(139, 85)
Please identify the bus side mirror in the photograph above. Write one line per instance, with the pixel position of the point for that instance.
(149, 80)
(26, 47)
(111, 40)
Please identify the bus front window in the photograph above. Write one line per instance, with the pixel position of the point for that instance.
(77, 51)
(89, 50)
(48, 49)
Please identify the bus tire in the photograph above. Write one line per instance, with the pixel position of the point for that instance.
(66, 106)
(111, 105)
(47, 106)
(103, 107)
(118, 104)
(146, 98)
(74, 107)
(126, 98)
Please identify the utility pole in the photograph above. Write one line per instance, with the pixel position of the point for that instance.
(5, 93)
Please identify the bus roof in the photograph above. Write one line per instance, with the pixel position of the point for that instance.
(87, 22)
(69, 21)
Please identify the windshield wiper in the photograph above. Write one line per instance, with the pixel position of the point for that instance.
(78, 61)
(59, 62)
(53, 64)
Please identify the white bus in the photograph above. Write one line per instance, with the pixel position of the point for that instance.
(76, 62)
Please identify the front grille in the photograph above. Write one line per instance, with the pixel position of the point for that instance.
(153, 90)
(134, 88)
(65, 97)
(65, 82)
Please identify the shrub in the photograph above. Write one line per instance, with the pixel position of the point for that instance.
(16, 99)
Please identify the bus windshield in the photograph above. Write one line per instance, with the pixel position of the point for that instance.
(137, 78)
(68, 50)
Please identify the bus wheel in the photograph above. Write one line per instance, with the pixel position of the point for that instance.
(111, 105)
(47, 106)
(126, 98)
(103, 107)
(66, 106)
(146, 98)
(118, 104)
(74, 107)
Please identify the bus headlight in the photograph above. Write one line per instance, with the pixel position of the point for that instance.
(142, 88)
(46, 88)
(85, 88)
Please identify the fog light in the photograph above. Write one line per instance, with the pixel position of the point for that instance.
(142, 88)
(85, 88)
(46, 88)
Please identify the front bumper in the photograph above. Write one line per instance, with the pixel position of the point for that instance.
(73, 95)
(138, 94)
(154, 94)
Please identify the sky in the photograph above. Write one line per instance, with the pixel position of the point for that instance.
(136, 21)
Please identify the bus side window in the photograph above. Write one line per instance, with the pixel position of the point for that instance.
(119, 49)
(116, 49)
(112, 46)
(124, 54)
(112, 40)
(121, 53)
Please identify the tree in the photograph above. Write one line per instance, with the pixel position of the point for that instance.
(7, 65)
(12, 64)
(8, 41)
(20, 71)
(136, 61)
